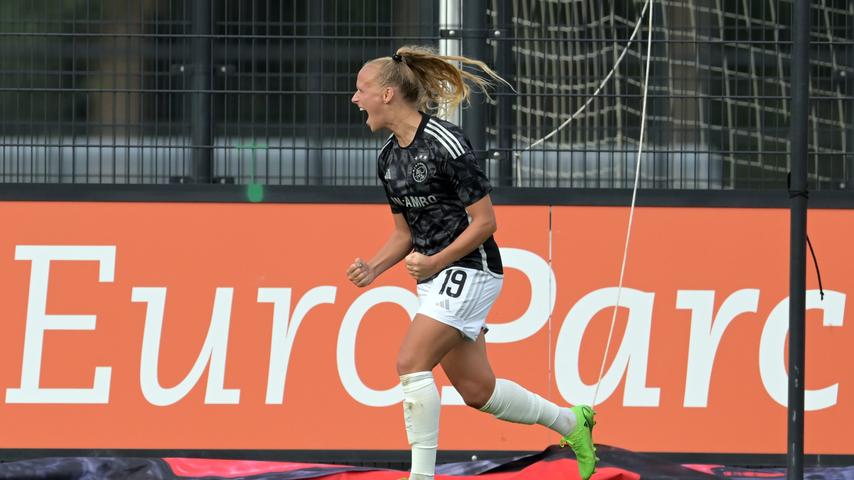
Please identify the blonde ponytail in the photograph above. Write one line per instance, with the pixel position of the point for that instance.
(430, 80)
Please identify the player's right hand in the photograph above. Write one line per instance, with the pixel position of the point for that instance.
(360, 273)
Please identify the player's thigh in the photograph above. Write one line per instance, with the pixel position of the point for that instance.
(425, 343)
(467, 367)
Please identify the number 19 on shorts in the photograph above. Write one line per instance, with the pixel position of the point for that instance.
(457, 279)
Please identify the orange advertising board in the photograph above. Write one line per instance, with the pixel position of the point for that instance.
(233, 326)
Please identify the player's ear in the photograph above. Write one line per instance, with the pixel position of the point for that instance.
(388, 94)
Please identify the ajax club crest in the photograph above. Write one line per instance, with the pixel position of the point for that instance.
(420, 172)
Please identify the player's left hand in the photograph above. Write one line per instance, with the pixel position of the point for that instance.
(421, 266)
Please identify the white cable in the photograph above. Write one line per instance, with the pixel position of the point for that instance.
(647, 5)
(601, 85)
(634, 197)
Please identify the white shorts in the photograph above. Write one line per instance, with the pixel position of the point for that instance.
(460, 297)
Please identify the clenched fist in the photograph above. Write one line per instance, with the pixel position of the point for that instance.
(421, 266)
(361, 273)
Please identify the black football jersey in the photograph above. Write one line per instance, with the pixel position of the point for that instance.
(431, 182)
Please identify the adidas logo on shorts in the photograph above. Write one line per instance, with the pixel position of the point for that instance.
(444, 303)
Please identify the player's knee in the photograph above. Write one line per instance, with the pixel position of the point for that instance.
(476, 401)
(476, 394)
(407, 363)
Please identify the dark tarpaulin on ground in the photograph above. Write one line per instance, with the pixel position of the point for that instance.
(554, 462)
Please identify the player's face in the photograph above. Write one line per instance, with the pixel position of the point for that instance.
(369, 96)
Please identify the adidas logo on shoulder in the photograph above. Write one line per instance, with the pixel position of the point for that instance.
(387, 175)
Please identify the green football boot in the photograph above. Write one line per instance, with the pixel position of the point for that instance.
(580, 440)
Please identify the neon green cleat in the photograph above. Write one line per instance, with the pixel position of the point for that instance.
(580, 440)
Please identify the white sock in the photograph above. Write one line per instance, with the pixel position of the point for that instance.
(513, 403)
(421, 416)
(565, 422)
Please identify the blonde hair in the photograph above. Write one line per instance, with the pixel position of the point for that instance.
(430, 80)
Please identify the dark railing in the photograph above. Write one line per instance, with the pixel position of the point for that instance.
(257, 91)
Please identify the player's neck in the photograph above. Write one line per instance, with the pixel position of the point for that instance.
(405, 128)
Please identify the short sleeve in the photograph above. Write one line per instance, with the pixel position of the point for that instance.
(467, 178)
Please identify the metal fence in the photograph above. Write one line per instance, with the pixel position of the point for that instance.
(257, 91)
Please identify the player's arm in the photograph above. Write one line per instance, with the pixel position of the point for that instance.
(481, 227)
(399, 243)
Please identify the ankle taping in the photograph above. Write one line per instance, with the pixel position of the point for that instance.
(421, 416)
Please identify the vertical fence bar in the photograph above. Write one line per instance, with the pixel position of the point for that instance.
(200, 112)
(449, 44)
(798, 217)
(504, 65)
(314, 80)
(474, 46)
(848, 87)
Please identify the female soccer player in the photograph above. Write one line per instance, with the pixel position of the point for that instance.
(444, 222)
